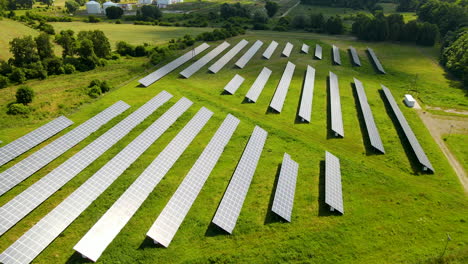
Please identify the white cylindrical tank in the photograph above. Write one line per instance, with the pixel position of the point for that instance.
(108, 4)
(93, 7)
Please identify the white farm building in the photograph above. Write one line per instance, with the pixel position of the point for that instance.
(165, 3)
(93, 7)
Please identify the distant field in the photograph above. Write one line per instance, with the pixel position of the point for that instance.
(9, 30)
(133, 34)
(458, 144)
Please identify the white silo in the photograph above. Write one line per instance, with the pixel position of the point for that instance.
(93, 7)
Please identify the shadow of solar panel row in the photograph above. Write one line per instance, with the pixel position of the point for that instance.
(287, 49)
(284, 195)
(354, 56)
(34, 195)
(242, 61)
(234, 84)
(376, 61)
(233, 199)
(269, 51)
(336, 55)
(318, 52)
(196, 66)
(305, 109)
(333, 189)
(168, 222)
(36, 239)
(257, 87)
(109, 225)
(28, 166)
(221, 62)
(418, 150)
(282, 89)
(372, 130)
(305, 48)
(335, 106)
(32, 139)
(168, 68)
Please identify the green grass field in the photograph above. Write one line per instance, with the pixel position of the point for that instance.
(10, 30)
(458, 144)
(393, 214)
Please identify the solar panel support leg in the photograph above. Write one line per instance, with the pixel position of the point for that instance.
(155, 242)
(302, 120)
(424, 168)
(332, 209)
(336, 134)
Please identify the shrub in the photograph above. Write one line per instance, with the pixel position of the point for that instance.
(105, 87)
(69, 68)
(93, 19)
(114, 12)
(18, 109)
(3, 81)
(140, 51)
(24, 95)
(118, 22)
(94, 82)
(94, 91)
(17, 75)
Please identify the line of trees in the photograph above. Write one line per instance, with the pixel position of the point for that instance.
(356, 4)
(316, 22)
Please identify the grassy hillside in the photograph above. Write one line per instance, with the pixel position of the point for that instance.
(10, 30)
(394, 214)
(458, 144)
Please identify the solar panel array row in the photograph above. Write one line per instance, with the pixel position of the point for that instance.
(36, 239)
(166, 225)
(305, 109)
(333, 189)
(219, 64)
(376, 60)
(282, 89)
(257, 87)
(192, 69)
(287, 49)
(269, 51)
(109, 225)
(318, 51)
(32, 139)
(418, 150)
(335, 106)
(305, 48)
(233, 199)
(34, 195)
(249, 54)
(284, 195)
(372, 131)
(336, 55)
(28, 166)
(355, 56)
(234, 84)
(166, 69)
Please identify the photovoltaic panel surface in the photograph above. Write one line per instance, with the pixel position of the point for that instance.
(34, 195)
(372, 130)
(28, 166)
(333, 189)
(305, 109)
(234, 84)
(269, 51)
(305, 48)
(318, 51)
(233, 199)
(287, 49)
(284, 195)
(36, 239)
(219, 64)
(109, 225)
(376, 61)
(192, 69)
(257, 87)
(355, 56)
(418, 150)
(249, 54)
(166, 69)
(32, 139)
(336, 55)
(282, 89)
(335, 106)
(166, 225)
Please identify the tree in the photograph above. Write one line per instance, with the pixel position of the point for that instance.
(260, 17)
(395, 24)
(101, 44)
(427, 34)
(44, 47)
(114, 12)
(24, 95)
(407, 5)
(87, 56)
(300, 21)
(149, 12)
(24, 51)
(48, 2)
(455, 58)
(123, 48)
(54, 65)
(71, 6)
(317, 20)
(67, 40)
(271, 8)
(17, 75)
(334, 25)
(235, 10)
(3, 81)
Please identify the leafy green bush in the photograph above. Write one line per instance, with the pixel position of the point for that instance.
(94, 91)
(3, 81)
(17, 75)
(18, 109)
(105, 87)
(69, 68)
(24, 95)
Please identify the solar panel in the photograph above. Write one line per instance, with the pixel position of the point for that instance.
(32, 139)
(219, 64)
(34, 195)
(269, 51)
(234, 84)
(109, 225)
(376, 61)
(372, 131)
(305, 48)
(168, 222)
(249, 54)
(418, 150)
(168, 68)
(305, 109)
(333, 189)
(28, 166)
(192, 69)
(336, 55)
(36, 239)
(233, 199)
(335, 106)
(318, 52)
(257, 87)
(282, 89)
(287, 49)
(284, 194)
(355, 56)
